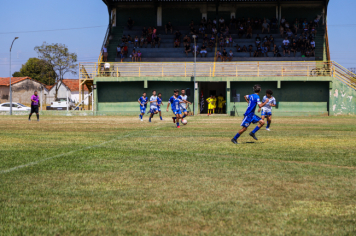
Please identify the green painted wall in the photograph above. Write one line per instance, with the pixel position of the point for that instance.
(260, 12)
(142, 16)
(300, 12)
(180, 16)
(342, 99)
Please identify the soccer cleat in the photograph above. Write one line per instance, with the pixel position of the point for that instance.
(38, 119)
(174, 119)
(268, 129)
(149, 120)
(234, 141)
(178, 126)
(253, 136)
(29, 119)
(141, 120)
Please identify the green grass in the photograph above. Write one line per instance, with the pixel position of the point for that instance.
(120, 176)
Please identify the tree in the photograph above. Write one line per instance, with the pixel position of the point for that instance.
(60, 58)
(39, 70)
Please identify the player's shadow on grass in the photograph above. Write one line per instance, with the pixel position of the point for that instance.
(251, 142)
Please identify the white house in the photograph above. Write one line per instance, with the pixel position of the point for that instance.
(67, 86)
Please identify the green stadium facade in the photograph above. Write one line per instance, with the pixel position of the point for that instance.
(302, 86)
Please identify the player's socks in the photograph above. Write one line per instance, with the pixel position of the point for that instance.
(38, 117)
(161, 117)
(255, 130)
(184, 116)
(141, 117)
(268, 124)
(29, 117)
(149, 120)
(237, 136)
(174, 119)
(177, 124)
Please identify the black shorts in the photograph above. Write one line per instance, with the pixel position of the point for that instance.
(34, 109)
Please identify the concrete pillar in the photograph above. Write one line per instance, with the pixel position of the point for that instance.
(228, 96)
(232, 14)
(145, 84)
(278, 84)
(113, 17)
(196, 99)
(95, 105)
(280, 14)
(205, 14)
(277, 12)
(159, 16)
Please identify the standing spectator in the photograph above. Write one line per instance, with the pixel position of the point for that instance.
(286, 46)
(144, 32)
(118, 50)
(221, 22)
(265, 26)
(169, 27)
(187, 49)
(133, 55)
(224, 55)
(249, 32)
(241, 31)
(231, 55)
(283, 21)
(142, 41)
(130, 23)
(296, 26)
(105, 53)
(139, 55)
(274, 23)
(203, 51)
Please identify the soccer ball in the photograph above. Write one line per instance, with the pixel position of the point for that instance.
(184, 122)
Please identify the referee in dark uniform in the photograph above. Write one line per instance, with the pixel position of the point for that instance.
(34, 106)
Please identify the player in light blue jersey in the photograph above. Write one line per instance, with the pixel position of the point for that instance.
(143, 104)
(153, 105)
(183, 103)
(174, 101)
(253, 100)
(159, 104)
(267, 109)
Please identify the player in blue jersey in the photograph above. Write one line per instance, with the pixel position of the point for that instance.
(253, 100)
(143, 104)
(183, 103)
(267, 109)
(159, 104)
(174, 101)
(153, 105)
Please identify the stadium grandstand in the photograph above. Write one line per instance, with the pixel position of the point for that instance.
(280, 44)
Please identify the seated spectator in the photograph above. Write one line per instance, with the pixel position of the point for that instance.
(302, 49)
(283, 21)
(316, 21)
(203, 51)
(156, 41)
(271, 39)
(231, 55)
(313, 31)
(139, 55)
(286, 47)
(149, 40)
(209, 25)
(214, 22)
(265, 26)
(105, 53)
(192, 30)
(312, 44)
(201, 30)
(258, 51)
(169, 27)
(244, 49)
(224, 55)
(149, 31)
(211, 44)
(218, 55)
(187, 49)
(233, 23)
(238, 48)
(205, 39)
(122, 55)
(249, 32)
(221, 22)
(241, 31)
(136, 42)
(130, 23)
(177, 35)
(133, 55)
(221, 43)
(118, 50)
(143, 41)
(144, 32)
(250, 49)
(231, 41)
(294, 47)
(286, 25)
(154, 32)
(176, 43)
(257, 40)
(214, 30)
(227, 42)
(281, 30)
(186, 40)
(296, 26)
(129, 39)
(274, 23)
(124, 39)
(226, 31)
(305, 26)
(196, 50)
(290, 34)
(203, 22)
(264, 50)
(276, 51)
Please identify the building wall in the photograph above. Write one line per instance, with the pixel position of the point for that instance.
(342, 99)
(21, 92)
(4, 94)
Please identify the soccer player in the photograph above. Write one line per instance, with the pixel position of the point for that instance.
(143, 104)
(253, 100)
(221, 102)
(210, 104)
(267, 109)
(159, 104)
(183, 103)
(34, 106)
(174, 101)
(153, 104)
(214, 104)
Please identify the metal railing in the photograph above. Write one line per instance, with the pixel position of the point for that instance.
(208, 69)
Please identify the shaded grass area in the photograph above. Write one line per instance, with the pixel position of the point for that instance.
(120, 176)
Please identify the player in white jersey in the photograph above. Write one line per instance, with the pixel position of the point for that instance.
(267, 109)
(183, 103)
(153, 104)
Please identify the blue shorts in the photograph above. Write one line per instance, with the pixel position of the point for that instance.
(153, 110)
(266, 113)
(175, 112)
(143, 110)
(183, 110)
(158, 108)
(250, 119)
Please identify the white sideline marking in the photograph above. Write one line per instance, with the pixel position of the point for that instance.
(60, 155)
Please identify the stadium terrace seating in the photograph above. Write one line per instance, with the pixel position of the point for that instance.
(166, 52)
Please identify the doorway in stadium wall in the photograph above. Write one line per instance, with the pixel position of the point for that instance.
(217, 89)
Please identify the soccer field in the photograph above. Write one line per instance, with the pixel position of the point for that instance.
(120, 176)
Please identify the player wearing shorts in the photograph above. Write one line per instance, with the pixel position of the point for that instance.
(143, 104)
(153, 105)
(174, 101)
(210, 101)
(34, 106)
(267, 109)
(253, 100)
(159, 104)
(183, 103)
(221, 102)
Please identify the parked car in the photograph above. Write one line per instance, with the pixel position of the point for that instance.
(61, 104)
(15, 107)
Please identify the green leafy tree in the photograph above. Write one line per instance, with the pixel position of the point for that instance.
(60, 58)
(39, 70)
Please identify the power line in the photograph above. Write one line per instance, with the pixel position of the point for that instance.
(25, 32)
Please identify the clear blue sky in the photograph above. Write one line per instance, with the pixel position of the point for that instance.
(37, 15)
